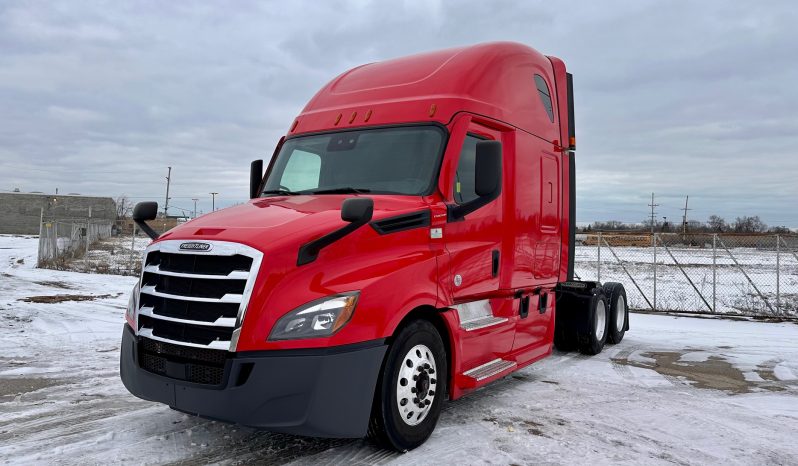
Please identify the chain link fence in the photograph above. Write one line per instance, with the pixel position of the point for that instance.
(707, 273)
(63, 239)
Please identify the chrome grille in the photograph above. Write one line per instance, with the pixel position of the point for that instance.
(196, 298)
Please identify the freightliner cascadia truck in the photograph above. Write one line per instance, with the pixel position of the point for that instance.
(411, 240)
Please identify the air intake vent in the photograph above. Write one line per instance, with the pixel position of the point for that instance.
(402, 222)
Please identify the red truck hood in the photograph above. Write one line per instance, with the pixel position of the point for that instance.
(270, 223)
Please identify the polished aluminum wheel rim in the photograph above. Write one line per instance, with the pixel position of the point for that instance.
(601, 320)
(620, 317)
(415, 387)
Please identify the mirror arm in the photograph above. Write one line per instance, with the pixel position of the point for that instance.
(456, 212)
(147, 229)
(309, 251)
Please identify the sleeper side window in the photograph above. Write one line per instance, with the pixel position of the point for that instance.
(465, 177)
(545, 96)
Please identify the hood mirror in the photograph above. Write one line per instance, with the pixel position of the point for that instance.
(143, 212)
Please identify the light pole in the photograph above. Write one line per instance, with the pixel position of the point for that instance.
(213, 202)
(195, 206)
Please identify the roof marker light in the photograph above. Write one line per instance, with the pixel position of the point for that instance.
(432, 109)
(368, 116)
(338, 119)
(352, 118)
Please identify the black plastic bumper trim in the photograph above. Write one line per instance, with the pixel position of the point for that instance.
(326, 392)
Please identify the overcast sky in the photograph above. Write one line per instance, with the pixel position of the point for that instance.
(678, 98)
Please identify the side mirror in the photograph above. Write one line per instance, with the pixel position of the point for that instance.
(357, 210)
(488, 168)
(143, 212)
(255, 178)
(487, 182)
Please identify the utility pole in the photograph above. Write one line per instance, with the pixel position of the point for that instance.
(653, 216)
(213, 202)
(166, 203)
(195, 206)
(684, 218)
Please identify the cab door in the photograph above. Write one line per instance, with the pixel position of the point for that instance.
(473, 242)
(474, 245)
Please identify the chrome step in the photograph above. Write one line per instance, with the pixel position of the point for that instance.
(482, 322)
(489, 369)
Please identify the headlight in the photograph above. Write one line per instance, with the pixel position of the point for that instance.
(319, 318)
(132, 307)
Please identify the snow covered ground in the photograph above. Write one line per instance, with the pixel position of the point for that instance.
(676, 390)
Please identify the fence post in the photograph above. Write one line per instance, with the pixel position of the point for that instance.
(778, 291)
(88, 233)
(41, 227)
(654, 241)
(133, 248)
(714, 272)
(598, 261)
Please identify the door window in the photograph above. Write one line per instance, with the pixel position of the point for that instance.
(465, 177)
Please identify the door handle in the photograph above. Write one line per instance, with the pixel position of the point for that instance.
(495, 264)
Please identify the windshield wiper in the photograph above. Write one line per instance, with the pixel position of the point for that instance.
(284, 192)
(343, 190)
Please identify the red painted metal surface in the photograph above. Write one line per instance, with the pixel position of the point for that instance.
(486, 90)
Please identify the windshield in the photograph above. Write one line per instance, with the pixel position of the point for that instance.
(382, 161)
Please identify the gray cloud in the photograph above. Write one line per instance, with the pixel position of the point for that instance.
(674, 97)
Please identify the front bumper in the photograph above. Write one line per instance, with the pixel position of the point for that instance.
(324, 392)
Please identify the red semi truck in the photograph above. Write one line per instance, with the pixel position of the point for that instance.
(412, 240)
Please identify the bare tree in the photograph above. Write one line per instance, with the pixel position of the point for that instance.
(123, 207)
(781, 230)
(717, 224)
(747, 224)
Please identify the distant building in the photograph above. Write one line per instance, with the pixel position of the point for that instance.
(20, 212)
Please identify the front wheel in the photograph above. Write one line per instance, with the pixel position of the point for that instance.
(411, 389)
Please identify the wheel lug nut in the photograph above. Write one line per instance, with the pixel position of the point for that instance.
(426, 366)
(412, 389)
(432, 371)
(415, 377)
(415, 400)
(432, 393)
(433, 381)
(427, 402)
(403, 402)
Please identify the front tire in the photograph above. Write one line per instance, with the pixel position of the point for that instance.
(411, 388)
